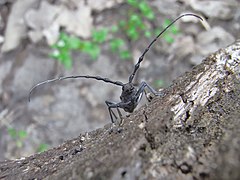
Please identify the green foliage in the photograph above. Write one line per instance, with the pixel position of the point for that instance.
(158, 83)
(91, 49)
(116, 44)
(146, 10)
(17, 136)
(99, 36)
(42, 147)
(136, 24)
(62, 49)
(133, 3)
(173, 30)
(125, 54)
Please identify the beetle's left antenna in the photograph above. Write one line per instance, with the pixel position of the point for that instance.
(107, 80)
(137, 65)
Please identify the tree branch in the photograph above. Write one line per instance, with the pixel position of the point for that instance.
(191, 132)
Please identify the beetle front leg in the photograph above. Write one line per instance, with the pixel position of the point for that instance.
(144, 85)
(146, 95)
(114, 105)
(117, 106)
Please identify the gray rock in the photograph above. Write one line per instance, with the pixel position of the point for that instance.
(33, 70)
(4, 70)
(16, 28)
(217, 9)
(103, 4)
(212, 40)
(77, 22)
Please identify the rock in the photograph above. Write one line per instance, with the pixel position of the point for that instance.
(209, 41)
(35, 68)
(1, 23)
(35, 20)
(2, 2)
(43, 17)
(16, 28)
(213, 39)
(4, 70)
(215, 9)
(183, 46)
(103, 4)
(1, 39)
(77, 22)
(167, 7)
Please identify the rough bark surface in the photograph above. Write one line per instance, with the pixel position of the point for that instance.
(193, 132)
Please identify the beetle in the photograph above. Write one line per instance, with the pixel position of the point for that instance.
(131, 95)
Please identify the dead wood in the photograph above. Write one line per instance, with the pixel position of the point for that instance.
(193, 132)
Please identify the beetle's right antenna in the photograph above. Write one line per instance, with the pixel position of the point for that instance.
(136, 67)
(118, 83)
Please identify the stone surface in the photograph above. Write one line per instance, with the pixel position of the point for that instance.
(78, 21)
(16, 28)
(220, 9)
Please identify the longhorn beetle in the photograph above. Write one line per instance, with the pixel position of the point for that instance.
(131, 95)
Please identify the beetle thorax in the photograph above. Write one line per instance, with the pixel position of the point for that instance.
(128, 92)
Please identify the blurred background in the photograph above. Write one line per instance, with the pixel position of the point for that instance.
(44, 39)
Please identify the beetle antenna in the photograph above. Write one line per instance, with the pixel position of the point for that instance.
(107, 80)
(137, 65)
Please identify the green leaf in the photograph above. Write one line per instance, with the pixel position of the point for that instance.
(157, 31)
(100, 35)
(95, 52)
(150, 15)
(55, 54)
(133, 3)
(122, 23)
(42, 147)
(64, 55)
(175, 29)
(61, 44)
(54, 46)
(65, 58)
(135, 20)
(125, 55)
(159, 83)
(63, 36)
(114, 29)
(168, 38)
(67, 64)
(73, 42)
(115, 44)
(132, 33)
(166, 23)
(92, 49)
(146, 10)
(148, 34)
(22, 134)
(12, 132)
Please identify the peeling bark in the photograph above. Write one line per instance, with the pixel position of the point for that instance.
(193, 132)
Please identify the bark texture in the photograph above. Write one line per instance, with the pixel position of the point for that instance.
(193, 132)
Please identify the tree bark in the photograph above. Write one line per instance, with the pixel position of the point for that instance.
(192, 132)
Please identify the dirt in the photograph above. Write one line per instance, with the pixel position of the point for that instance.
(62, 111)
